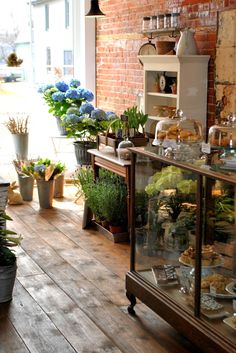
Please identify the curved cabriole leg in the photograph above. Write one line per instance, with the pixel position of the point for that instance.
(132, 300)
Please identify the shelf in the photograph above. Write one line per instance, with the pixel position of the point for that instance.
(159, 94)
(171, 32)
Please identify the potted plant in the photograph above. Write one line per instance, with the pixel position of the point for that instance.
(61, 96)
(25, 171)
(45, 172)
(8, 266)
(131, 124)
(18, 127)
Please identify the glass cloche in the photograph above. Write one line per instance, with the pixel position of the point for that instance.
(223, 135)
(178, 128)
(123, 149)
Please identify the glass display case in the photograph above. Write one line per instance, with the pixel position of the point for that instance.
(183, 247)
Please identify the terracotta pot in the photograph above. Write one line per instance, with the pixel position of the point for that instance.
(116, 229)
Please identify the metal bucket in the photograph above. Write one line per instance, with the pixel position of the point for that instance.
(21, 145)
(7, 280)
(45, 193)
(26, 185)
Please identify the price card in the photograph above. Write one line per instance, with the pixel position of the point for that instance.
(206, 147)
(185, 278)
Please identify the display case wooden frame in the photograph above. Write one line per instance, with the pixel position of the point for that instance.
(190, 324)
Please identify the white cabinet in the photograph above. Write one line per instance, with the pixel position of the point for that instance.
(188, 73)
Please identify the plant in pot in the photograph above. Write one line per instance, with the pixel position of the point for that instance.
(25, 170)
(84, 124)
(18, 127)
(45, 172)
(131, 125)
(8, 265)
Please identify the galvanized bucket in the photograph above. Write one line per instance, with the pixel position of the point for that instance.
(7, 280)
(45, 193)
(26, 185)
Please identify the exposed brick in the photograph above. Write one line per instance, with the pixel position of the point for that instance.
(119, 73)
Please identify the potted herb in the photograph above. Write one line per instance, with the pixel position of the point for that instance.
(8, 266)
(18, 127)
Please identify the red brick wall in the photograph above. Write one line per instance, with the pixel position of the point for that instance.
(119, 73)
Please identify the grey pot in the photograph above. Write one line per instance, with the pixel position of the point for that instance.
(21, 145)
(45, 193)
(7, 280)
(26, 185)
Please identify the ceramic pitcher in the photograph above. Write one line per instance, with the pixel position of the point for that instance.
(186, 44)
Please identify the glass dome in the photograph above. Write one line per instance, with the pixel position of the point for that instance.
(178, 128)
(223, 135)
(123, 149)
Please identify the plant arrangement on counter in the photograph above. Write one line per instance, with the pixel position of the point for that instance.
(172, 207)
(8, 239)
(133, 127)
(106, 196)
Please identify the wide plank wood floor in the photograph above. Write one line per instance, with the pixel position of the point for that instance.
(69, 295)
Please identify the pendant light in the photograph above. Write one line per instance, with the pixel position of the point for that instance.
(94, 10)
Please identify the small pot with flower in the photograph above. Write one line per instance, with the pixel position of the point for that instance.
(61, 96)
(45, 173)
(25, 171)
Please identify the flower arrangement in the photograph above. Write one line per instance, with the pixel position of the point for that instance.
(71, 103)
(17, 124)
(86, 122)
(43, 169)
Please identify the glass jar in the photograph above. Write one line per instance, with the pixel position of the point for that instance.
(160, 21)
(146, 23)
(167, 20)
(153, 22)
(175, 20)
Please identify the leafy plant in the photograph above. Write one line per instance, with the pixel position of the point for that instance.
(7, 240)
(136, 119)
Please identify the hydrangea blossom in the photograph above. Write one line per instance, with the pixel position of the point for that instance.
(98, 114)
(86, 108)
(61, 86)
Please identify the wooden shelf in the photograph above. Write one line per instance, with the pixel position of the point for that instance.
(159, 94)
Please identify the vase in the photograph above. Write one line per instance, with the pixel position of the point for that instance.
(59, 186)
(21, 145)
(26, 186)
(7, 280)
(81, 152)
(62, 130)
(45, 193)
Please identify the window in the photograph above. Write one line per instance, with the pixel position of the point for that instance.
(48, 60)
(67, 13)
(68, 62)
(46, 17)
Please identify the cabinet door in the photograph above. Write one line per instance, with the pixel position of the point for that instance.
(218, 262)
(165, 226)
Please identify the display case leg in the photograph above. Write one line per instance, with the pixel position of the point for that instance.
(132, 300)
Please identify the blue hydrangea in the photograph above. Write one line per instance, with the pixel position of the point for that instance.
(98, 114)
(72, 118)
(58, 96)
(44, 88)
(72, 93)
(111, 115)
(61, 86)
(39, 168)
(87, 94)
(74, 82)
(86, 108)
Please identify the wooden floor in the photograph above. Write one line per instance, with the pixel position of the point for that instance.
(69, 295)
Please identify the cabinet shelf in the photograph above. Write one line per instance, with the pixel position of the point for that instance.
(159, 94)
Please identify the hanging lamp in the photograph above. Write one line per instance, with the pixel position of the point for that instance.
(94, 9)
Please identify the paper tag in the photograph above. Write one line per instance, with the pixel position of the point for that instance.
(185, 278)
(212, 289)
(206, 147)
(234, 305)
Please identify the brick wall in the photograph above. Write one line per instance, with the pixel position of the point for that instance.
(119, 73)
